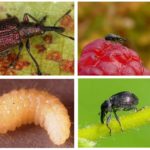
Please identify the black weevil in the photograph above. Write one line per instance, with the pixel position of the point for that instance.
(120, 101)
(115, 38)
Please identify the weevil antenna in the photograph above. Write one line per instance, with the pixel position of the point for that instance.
(72, 38)
(62, 17)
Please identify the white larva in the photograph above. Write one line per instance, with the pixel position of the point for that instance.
(27, 106)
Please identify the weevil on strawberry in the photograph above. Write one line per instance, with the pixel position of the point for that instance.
(109, 56)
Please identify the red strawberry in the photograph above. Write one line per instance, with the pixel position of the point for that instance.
(102, 57)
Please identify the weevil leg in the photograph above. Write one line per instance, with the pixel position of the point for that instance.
(136, 109)
(34, 60)
(117, 118)
(27, 16)
(18, 55)
(43, 20)
(8, 15)
(62, 17)
(107, 123)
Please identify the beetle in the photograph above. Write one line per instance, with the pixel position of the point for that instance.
(13, 32)
(115, 38)
(125, 101)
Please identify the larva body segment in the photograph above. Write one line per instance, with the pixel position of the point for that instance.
(27, 106)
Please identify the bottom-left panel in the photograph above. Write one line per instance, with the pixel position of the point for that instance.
(46, 103)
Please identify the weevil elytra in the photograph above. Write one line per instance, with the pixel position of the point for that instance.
(125, 101)
(13, 32)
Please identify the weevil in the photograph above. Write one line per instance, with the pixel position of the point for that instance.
(13, 32)
(115, 38)
(125, 101)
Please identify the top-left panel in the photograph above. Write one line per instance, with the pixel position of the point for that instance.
(36, 38)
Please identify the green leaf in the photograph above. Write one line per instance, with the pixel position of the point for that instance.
(60, 44)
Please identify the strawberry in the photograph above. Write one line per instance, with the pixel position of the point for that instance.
(103, 57)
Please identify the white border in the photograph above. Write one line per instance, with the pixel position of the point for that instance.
(114, 77)
(75, 76)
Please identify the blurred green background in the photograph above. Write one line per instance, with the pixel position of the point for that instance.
(61, 45)
(93, 92)
(128, 19)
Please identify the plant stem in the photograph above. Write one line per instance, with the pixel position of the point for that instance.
(95, 131)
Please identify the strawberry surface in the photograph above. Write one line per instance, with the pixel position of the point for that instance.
(102, 57)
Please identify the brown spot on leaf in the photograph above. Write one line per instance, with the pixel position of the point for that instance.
(48, 38)
(2, 9)
(21, 64)
(55, 55)
(67, 66)
(5, 69)
(40, 47)
(4, 65)
(67, 22)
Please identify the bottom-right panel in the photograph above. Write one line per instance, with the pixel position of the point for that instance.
(114, 112)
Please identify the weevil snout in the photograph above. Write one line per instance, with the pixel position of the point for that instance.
(102, 116)
(53, 28)
(60, 30)
(103, 113)
(105, 108)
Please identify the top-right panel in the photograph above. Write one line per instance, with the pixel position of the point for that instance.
(114, 38)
